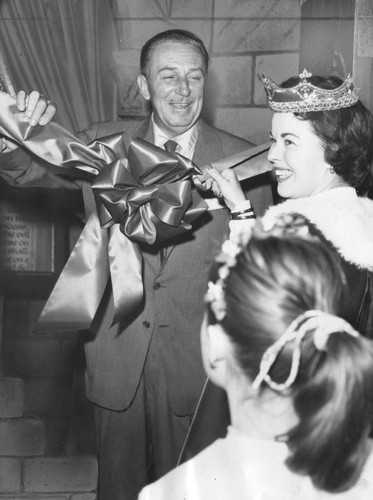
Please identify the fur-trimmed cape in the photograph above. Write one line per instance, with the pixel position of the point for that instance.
(344, 219)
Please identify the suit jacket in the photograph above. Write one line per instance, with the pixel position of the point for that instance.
(173, 306)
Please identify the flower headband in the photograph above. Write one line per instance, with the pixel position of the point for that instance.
(322, 325)
(215, 291)
(284, 223)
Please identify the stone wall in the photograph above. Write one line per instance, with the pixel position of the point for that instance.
(26, 471)
(363, 53)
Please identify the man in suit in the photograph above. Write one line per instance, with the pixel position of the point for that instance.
(145, 374)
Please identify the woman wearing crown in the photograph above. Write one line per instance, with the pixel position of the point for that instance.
(299, 379)
(322, 159)
(322, 156)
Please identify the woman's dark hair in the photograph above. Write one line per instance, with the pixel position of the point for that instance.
(278, 276)
(346, 133)
(181, 36)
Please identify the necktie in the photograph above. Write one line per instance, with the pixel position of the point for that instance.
(170, 146)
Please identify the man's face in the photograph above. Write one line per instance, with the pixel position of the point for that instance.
(175, 86)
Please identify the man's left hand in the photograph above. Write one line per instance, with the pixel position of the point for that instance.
(38, 109)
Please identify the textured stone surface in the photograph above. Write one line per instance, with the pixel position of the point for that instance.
(278, 67)
(264, 35)
(162, 8)
(251, 123)
(84, 496)
(192, 8)
(134, 33)
(365, 37)
(12, 397)
(10, 475)
(128, 68)
(365, 7)
(257, 8)
(22, 437)
(34, 496)
(75, 474)
(140, 8)
(231, 77)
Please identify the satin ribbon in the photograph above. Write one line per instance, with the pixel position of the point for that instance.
(143, 195)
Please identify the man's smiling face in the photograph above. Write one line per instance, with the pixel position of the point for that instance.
(175, 85)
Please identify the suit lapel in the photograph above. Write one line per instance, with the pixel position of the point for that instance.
(145, 131)
(208, 147)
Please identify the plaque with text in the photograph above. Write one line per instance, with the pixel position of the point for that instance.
(33, 244)
(25, 245)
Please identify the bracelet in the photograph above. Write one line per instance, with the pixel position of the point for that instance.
(243, 214)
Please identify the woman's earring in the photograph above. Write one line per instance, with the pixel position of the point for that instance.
(212, 365)
(331, 170)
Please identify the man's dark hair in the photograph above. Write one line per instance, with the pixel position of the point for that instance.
(181, 36)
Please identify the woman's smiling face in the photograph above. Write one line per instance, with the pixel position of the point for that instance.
(298, 159)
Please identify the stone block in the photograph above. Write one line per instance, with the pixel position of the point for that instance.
(239, 36)
(257, 8)
(250, 123)
(12, 397)
(127, 63)
(141, 8)
(61, 474)
(365, 37)
(365, 8)
(10, 475)
(278, 67)
(57, 437)
(135, 32)
(192, 8)
(33, 496)
(22, 437)
(84, 496)
(231, 79)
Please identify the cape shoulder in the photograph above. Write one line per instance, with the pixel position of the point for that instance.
(345, 219)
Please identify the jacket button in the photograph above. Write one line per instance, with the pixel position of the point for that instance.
(156, 286)
(146, 324)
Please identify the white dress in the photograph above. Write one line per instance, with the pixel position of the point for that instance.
(241, 468)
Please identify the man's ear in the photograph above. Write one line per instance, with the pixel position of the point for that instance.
(143, 87)
(219, 349)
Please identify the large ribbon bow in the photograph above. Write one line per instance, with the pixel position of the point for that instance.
(143, 195)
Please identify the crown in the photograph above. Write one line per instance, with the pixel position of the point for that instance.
(305, 96)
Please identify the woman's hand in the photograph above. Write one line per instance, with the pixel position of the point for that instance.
(226, 185)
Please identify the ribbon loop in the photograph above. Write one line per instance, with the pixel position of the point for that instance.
(143, 194)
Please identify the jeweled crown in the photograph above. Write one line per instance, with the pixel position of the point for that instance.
(305, 96)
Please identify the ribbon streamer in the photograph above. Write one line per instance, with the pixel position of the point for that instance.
(143, 195)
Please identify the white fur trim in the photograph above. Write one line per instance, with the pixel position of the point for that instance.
(345, 219)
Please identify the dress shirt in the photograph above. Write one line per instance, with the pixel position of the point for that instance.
(186, 147)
